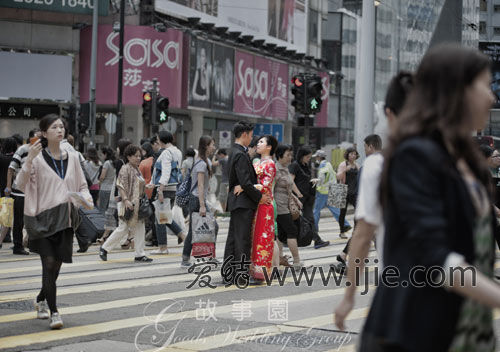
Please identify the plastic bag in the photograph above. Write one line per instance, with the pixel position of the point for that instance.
(7, 211)
(163, 212)
(203, 228)
(179, 219)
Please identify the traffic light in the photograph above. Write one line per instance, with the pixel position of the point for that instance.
(162, 109)
(299, 93)
(314, 92)
(146, 105)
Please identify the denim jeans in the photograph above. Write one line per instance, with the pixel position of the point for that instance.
(320, 203)
(161, 229)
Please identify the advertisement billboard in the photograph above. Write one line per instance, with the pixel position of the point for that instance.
(148, 54)
(35, 76)
(281, 22)
(261, 86)
(222, 78)
(210, 75)
(200, 77)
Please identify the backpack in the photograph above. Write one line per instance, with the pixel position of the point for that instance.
(183, 193)
(175, 172)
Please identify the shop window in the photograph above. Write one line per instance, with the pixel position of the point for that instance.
(483, 5)
(482, 27)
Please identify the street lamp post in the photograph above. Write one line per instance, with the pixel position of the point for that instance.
(365, 76)
(93, 69)
(119, 120)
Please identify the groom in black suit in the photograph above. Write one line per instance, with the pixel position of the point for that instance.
(242, 206)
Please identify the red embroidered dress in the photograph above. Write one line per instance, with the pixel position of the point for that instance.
(263, 234)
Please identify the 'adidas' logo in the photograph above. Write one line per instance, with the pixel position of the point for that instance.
(204, 229)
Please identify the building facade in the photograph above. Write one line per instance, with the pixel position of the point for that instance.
(489, 36)
(404, 30)
(217, 62)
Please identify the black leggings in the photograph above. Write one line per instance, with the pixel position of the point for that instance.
(351, 199)
(50, 272)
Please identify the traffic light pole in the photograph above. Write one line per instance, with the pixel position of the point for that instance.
(154, 99)
(93, 70)
(306, 129)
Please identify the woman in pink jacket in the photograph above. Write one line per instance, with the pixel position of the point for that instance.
(47, 178)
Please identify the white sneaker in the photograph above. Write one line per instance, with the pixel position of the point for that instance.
(159, 251)
(55, 321)
(41, 310)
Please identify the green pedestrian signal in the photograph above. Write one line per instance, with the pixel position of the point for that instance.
(162, 109)
(314, 104)
(163, 117)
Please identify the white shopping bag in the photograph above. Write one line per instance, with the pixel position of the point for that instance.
(203, 228)
(163, 213)
(179, 219)
(213, 204)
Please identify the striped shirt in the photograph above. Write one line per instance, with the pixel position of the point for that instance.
(16, 164)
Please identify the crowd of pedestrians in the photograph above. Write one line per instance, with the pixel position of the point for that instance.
(427, 200)
(258, 179)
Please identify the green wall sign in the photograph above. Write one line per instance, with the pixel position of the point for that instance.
(68, 6)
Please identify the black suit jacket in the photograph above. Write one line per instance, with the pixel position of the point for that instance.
(241, 172)
(428, 215)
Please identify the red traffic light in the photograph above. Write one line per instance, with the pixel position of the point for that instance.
(146, 96)
(296, 81)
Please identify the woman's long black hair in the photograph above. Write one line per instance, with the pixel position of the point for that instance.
(202, 151)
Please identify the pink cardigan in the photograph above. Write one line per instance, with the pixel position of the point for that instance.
(47, 207)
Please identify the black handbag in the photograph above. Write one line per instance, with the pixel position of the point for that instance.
(128, 213)
(145, 210)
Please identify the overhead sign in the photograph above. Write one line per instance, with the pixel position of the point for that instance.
(68, 6)
(274, 129)
(27, 111)
(280, 22)
(148, 54)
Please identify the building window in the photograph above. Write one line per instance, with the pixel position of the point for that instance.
(483, 5)
(313, 26)
(482, 27)
(496, 30)
(496, 8)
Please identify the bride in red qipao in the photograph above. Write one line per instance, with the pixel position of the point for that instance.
(263, 233)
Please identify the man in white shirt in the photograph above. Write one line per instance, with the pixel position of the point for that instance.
(369, 220)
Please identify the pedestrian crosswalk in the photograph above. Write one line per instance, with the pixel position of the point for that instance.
(147, 307)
